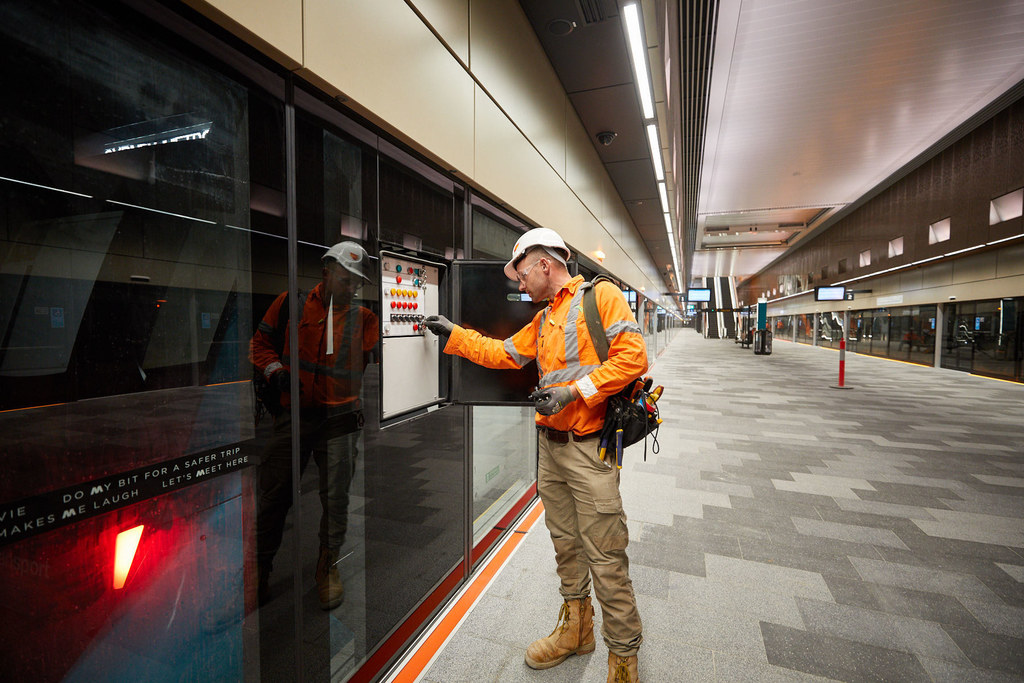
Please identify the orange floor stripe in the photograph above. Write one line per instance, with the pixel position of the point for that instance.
(425, 652)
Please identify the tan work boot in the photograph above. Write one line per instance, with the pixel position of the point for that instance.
(573, 635)
(622, 669)
(328, 582)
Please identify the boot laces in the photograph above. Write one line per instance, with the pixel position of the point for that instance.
(563, 619)
(621, 670)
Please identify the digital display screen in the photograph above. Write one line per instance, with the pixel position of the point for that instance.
(829, 293)
(698, 295)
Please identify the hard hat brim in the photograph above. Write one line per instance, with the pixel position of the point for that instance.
(352, 267)
(510, 269)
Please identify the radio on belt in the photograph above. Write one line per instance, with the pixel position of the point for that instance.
(410, 353)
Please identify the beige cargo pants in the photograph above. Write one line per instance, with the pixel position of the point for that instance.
(583, 511)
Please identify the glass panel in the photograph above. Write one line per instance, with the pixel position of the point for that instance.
(922, 330)
(995, 324)
(805, 328)
(491, 237)
(903, 337)
(830, 330)
(647, 325)
(504, 462)
(853, 339)
(337, 328)
(412, 504)
(783, 328)
(880, 333)
(417, 215)
(127, 280)
(960, 344)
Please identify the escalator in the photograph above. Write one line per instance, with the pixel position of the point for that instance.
(727, 302)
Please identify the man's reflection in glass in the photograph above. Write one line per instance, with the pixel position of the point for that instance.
(335, 339)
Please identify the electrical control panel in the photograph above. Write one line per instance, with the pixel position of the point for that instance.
(410, 353)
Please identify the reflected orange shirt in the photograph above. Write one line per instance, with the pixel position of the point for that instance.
(328, 379)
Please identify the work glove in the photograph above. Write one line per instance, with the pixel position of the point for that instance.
(551, 400)
(282, 381)
(439, 325)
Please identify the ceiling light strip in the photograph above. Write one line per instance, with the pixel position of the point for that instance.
(961, 251)
(638, 50)
(1005, 239)
(652, 142)
(663, 194)
(642, 76)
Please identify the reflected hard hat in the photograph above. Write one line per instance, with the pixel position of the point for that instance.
(538, 237)
(350, 255)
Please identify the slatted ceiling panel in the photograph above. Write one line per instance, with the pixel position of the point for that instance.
(824, 100)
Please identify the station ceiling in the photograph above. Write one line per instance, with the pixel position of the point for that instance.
(777, 117)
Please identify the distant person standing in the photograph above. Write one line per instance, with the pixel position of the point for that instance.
(580, 491)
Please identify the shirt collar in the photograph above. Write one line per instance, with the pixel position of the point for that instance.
(568, 289)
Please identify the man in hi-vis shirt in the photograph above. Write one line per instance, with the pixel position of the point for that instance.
(580, 492)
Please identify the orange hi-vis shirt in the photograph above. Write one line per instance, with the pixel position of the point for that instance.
(328, 375)
(559, 340)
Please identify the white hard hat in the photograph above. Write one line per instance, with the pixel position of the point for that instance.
(350, 255)
(538, 237)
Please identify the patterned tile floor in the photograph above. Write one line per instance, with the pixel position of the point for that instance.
(787, 530)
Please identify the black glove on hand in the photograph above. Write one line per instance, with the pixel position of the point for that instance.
(282, 381)
(439, 325)
(551, 400)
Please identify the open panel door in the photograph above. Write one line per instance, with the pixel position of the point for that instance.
(488, 302)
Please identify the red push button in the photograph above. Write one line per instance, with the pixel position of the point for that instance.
(394, 304)
(399, 279)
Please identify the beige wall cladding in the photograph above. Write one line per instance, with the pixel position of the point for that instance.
(510, 64)
(450, 18)
(272, 26)
(1011, 261)
(387, 62)
(975, 267)
(508, 167)
(910, 280)
(937, 276)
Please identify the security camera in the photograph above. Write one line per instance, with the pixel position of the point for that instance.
(952, 298)
(606, 137)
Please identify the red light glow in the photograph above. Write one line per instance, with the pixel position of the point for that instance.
(124, 554)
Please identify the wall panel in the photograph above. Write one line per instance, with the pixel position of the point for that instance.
(508, 167)
(383, 58)
(509, 62)
(1010, 261)
(975, 267)
(274, 26)
(450, 18)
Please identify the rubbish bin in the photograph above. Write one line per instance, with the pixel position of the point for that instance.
(762, 342)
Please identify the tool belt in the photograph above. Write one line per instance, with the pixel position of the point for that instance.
(555, 436)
